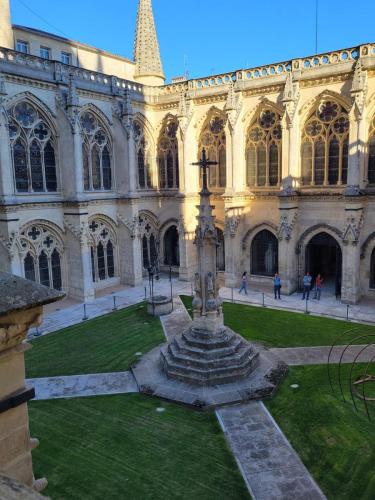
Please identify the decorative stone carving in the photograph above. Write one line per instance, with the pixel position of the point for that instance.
(290, 99)
(352, 230)
(285, 228)
(231, 225)
(233, 106)
(359, 89)
(80, 233)
(130, 224)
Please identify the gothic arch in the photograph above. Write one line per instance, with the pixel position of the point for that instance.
(312, 231)
(167, 224)
(100, 115)
(327, 95)
(205, 118)
(252, 232)
(103, 243)
(32, 99)
(264, 103)
(112, 224)
(366, 244)
(41, 252)
(146, 124)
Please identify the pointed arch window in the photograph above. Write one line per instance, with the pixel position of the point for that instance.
(41, 252)
(102, 250)
(33, 148)
(324, 150)
(150, 242)
(263, 150)
(143, 155)
(171, 247)
(167, 155)
(371, 154)
(213, 140)
(96, 154)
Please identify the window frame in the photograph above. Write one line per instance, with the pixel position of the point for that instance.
(20, 43)
(45, 52)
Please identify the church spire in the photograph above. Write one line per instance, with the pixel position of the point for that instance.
(149, 69)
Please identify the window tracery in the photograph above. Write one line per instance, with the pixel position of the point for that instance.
(213, 140)
(102, 250)
(96, 154)
(33, 150)
(371, 154)
(263, 150)
(143, 155)
(168, 155)
(41, 252)
(325, 143)
(150, 241)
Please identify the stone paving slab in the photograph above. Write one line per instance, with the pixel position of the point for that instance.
(271, 468)
(97, 384)
(295, 356)
(177, 321)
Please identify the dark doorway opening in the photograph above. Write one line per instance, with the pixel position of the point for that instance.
(323, 255)
(171, 247)
(220, 250)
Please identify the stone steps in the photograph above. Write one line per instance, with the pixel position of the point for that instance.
(182, 370)
(238, 358)
(199, 352)
(193, 338)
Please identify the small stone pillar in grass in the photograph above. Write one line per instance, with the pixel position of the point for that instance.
(21, 306)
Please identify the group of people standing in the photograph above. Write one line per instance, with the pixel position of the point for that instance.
(307, 285)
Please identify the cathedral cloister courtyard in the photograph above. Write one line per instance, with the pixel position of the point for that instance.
(187, 265)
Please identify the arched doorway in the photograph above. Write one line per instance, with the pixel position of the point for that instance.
(171, 247)
(264, 254)
(323, 255)
(220, 250)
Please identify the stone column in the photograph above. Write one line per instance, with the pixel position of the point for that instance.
(7, 187)
(21, 306)
(229, 132)
(80, 282)
(351, 253)
(287, 235)
(239, 160)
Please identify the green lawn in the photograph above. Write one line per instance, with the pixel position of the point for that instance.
(334, 441)
(105, 344)
(120, 447)
(277, 328)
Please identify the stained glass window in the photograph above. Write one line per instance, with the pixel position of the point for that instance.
(324, 151)
(167, 155)
(33, 149)
(263, 150)
(96, 156)
(102, 250)
(213, 140)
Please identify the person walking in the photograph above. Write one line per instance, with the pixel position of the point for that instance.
(318, 286)
(277, 286)
(306, 286)
(244, 283)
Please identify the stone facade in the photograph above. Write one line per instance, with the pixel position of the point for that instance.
(105, 184)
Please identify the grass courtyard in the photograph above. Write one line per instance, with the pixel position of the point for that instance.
(118, 447)
(335, 442)
(105, 344)
(123, 447)
(276, 328)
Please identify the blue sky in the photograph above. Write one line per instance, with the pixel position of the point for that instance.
(212, 36)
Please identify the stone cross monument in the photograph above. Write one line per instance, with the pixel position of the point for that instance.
(206, 364)
(208, 353)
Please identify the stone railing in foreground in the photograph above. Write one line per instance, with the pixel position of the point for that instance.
(304, 64)
(21, 306)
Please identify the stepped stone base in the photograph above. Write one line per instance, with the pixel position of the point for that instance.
(206, 358)
(260, 383)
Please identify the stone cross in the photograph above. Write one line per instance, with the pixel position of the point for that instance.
(204, 164)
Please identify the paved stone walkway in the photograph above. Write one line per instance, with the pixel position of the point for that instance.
(98, 384)
(69, 312)
(294, 356)
(271, 468)
(177, 321)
